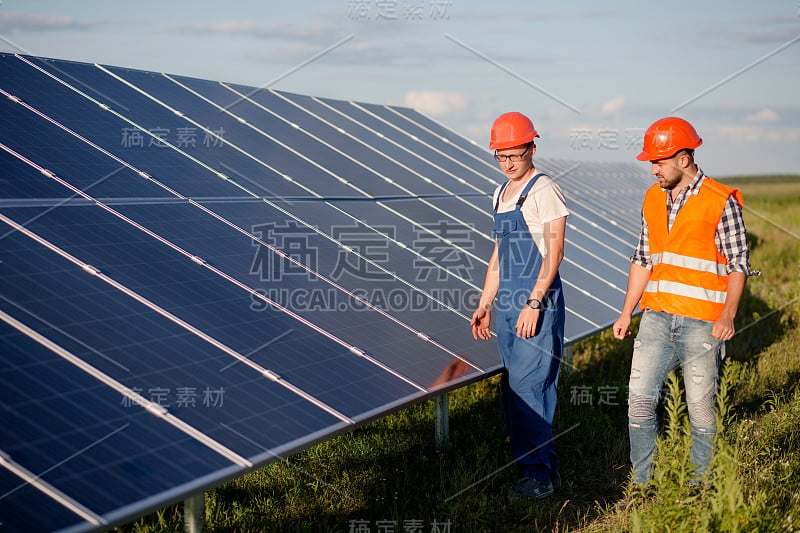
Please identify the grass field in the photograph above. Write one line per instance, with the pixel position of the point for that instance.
(388, 477)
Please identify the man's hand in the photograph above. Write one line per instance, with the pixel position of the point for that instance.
(481, 319)
(638, 276)
(723, 329)
(527, 321)
(620, 327)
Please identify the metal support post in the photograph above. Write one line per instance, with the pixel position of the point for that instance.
(194, 513)
(442, 421)
(566, 359)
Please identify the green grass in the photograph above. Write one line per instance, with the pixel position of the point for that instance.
(390, 471)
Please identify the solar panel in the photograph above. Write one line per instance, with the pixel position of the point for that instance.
(198, 278)
(69, 438)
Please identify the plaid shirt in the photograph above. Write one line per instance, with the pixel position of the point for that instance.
(730, 238)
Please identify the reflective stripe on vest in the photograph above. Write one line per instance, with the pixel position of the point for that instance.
(689, 276)
(693, 263)
(689, 291)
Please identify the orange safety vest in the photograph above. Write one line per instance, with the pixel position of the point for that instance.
(689, 276)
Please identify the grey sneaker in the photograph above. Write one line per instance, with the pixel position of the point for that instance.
(529, 488)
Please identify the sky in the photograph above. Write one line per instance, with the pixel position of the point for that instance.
(591, 75)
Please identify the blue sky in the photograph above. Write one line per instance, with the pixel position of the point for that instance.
(592, 75)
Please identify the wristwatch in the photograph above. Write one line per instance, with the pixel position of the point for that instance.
(533, 303)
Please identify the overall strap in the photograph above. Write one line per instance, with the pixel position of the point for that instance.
(500, 195)
(523, 195)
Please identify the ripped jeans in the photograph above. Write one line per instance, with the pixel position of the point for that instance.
(664, 341)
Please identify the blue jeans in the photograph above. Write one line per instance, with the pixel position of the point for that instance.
(664, 341)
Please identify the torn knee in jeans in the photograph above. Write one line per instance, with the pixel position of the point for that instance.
(642, 410)
(702, 412)
(702, 416)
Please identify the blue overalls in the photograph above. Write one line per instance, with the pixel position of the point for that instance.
(531, 365)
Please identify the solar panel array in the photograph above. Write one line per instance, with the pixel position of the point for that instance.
(198, 278)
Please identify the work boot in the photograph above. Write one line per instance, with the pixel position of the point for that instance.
(528, 488)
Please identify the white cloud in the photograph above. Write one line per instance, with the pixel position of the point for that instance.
(758, 134)
(436, 103)
(320, 32)
(539, 16)
(770, 29)
(613, 106)
(13, 21)
(765, 115)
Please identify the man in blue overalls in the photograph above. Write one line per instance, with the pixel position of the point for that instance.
(530, 216)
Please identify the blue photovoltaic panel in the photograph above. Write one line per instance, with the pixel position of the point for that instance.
(214, 304)
(64, 426)
(147, 352)
(92, 171)
(339, 281)
(22, 183)
(136, 147)
(24, 505)
(454, 166)
(420, 354)
(429, 169)
(269, 147)
(196, 295)
(463, 145)
(261, 270)
(372, 166)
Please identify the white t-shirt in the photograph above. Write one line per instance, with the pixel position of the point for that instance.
(545, 202)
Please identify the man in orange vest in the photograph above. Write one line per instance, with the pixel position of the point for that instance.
(689, 271)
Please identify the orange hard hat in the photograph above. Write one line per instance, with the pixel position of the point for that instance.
(511, 129)
(666, 136)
